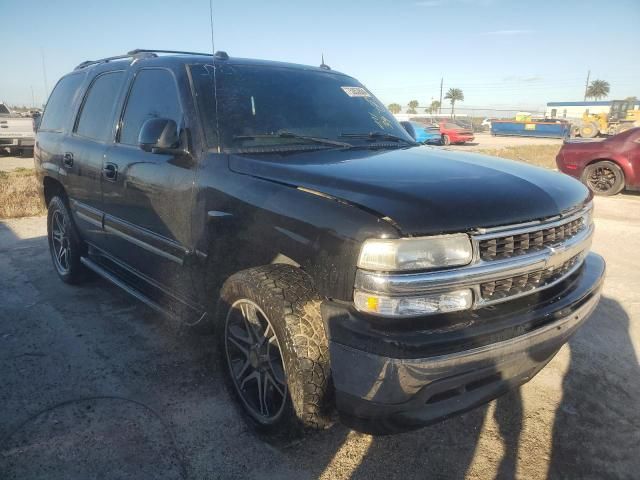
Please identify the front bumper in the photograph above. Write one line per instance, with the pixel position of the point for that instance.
(388, 381)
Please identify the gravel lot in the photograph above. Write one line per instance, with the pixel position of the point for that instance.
(486, 140)
(96, 385)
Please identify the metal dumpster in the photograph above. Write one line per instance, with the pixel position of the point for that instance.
(530, 129)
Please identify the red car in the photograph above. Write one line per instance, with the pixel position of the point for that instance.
(454, 133)
(606, 167)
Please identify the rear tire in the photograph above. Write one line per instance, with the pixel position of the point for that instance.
(446, 140)
(65, 244)
(272, 339)
(604, 178)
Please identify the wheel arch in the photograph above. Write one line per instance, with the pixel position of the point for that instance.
(50, 188)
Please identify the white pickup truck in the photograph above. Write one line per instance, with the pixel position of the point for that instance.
(16, 133)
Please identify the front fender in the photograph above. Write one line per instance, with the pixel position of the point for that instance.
(252, 222)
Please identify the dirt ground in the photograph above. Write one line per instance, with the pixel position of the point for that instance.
(8, 163)
(95, 385)
(485, 141)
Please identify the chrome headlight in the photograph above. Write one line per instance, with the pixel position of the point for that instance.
(389, 255)
(426, 304)
(411, 254)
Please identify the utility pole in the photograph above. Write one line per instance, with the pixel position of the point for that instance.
(440, 106)
(586, 85)
(44, 75)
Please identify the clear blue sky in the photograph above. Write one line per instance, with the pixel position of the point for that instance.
(500, 52)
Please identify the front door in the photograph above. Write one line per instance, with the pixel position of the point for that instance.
(147, 197)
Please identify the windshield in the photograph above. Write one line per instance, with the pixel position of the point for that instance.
(257, 104)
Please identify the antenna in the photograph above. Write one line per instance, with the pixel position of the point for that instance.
(213, 61)
(324, 65)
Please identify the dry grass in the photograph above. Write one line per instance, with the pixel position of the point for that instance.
(540, 155)
(19, 194)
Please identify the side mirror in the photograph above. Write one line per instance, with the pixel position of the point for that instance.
(409, 128)
(37, 118)
(160, 135)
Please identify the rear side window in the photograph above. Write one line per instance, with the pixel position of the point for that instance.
(96, 116)
(60, 103)
(153, 95)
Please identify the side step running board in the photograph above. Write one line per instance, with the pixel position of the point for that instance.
(90, 264)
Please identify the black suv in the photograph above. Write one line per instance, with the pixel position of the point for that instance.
(340, 265)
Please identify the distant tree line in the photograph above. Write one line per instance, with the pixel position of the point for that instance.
(453, 95)
(597, 90)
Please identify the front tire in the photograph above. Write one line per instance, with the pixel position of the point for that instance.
(589, 130)
(64, 242)
(446, 140)
(604, 178)
(274, 349)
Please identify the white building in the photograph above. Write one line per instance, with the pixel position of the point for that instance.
(577, 109)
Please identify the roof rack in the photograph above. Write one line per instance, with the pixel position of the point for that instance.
(147, 53)
(178, 52)
(132, 54)
(219, 54)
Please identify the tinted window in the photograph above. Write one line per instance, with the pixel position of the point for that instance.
(153, 95)
(264, 100)
(4, 110)
(60, 103)
(96, 117)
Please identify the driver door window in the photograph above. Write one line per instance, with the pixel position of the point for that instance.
(153, 95)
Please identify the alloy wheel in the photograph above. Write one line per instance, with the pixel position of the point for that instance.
(255, 361)
(60, 242)
(601, 179)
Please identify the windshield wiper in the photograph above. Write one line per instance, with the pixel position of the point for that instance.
(321, 140)
(378, 136)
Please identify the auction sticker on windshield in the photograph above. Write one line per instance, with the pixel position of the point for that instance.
(356, 91)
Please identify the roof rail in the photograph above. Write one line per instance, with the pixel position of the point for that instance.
(132, 54)
(178, 52)
(148, 53)
(219, 54)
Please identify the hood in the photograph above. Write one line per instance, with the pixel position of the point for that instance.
(425, 190)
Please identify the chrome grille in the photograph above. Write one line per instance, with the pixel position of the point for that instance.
(509, 246)
(508, 287)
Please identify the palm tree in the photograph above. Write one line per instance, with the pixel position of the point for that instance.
(454, 95)
(413, 104)
(394, 108)
(598, 89)
(434, 107)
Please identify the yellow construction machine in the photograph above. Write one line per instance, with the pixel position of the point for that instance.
(622, 116)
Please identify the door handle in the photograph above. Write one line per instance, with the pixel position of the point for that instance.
(110, 171)
(67, 159)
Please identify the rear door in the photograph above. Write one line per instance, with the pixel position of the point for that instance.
(148, 197)
(83, 152)
(56, 122)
